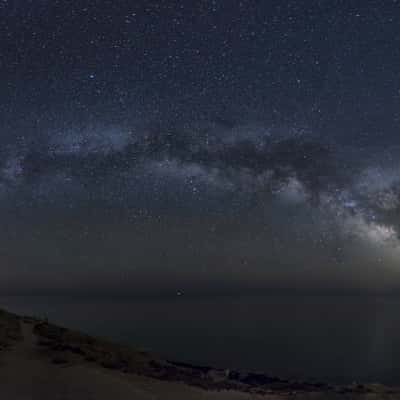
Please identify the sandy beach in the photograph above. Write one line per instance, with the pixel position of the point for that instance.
(40, 361)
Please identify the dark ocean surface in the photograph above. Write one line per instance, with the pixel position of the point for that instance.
(338, 339)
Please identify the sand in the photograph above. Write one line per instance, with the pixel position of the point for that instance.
(28, 373)
(39, 361)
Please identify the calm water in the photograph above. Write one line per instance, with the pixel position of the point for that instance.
(339, 339)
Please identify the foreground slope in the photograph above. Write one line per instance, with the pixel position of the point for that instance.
(42, 361)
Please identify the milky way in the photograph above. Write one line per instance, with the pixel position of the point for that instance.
(161, 147)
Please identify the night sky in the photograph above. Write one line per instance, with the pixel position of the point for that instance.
(201, 147)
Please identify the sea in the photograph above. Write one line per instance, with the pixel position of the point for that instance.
(336, 339)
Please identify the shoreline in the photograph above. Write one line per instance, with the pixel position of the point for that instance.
(59, 348)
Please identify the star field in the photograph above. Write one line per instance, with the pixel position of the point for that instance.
(210, 146)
